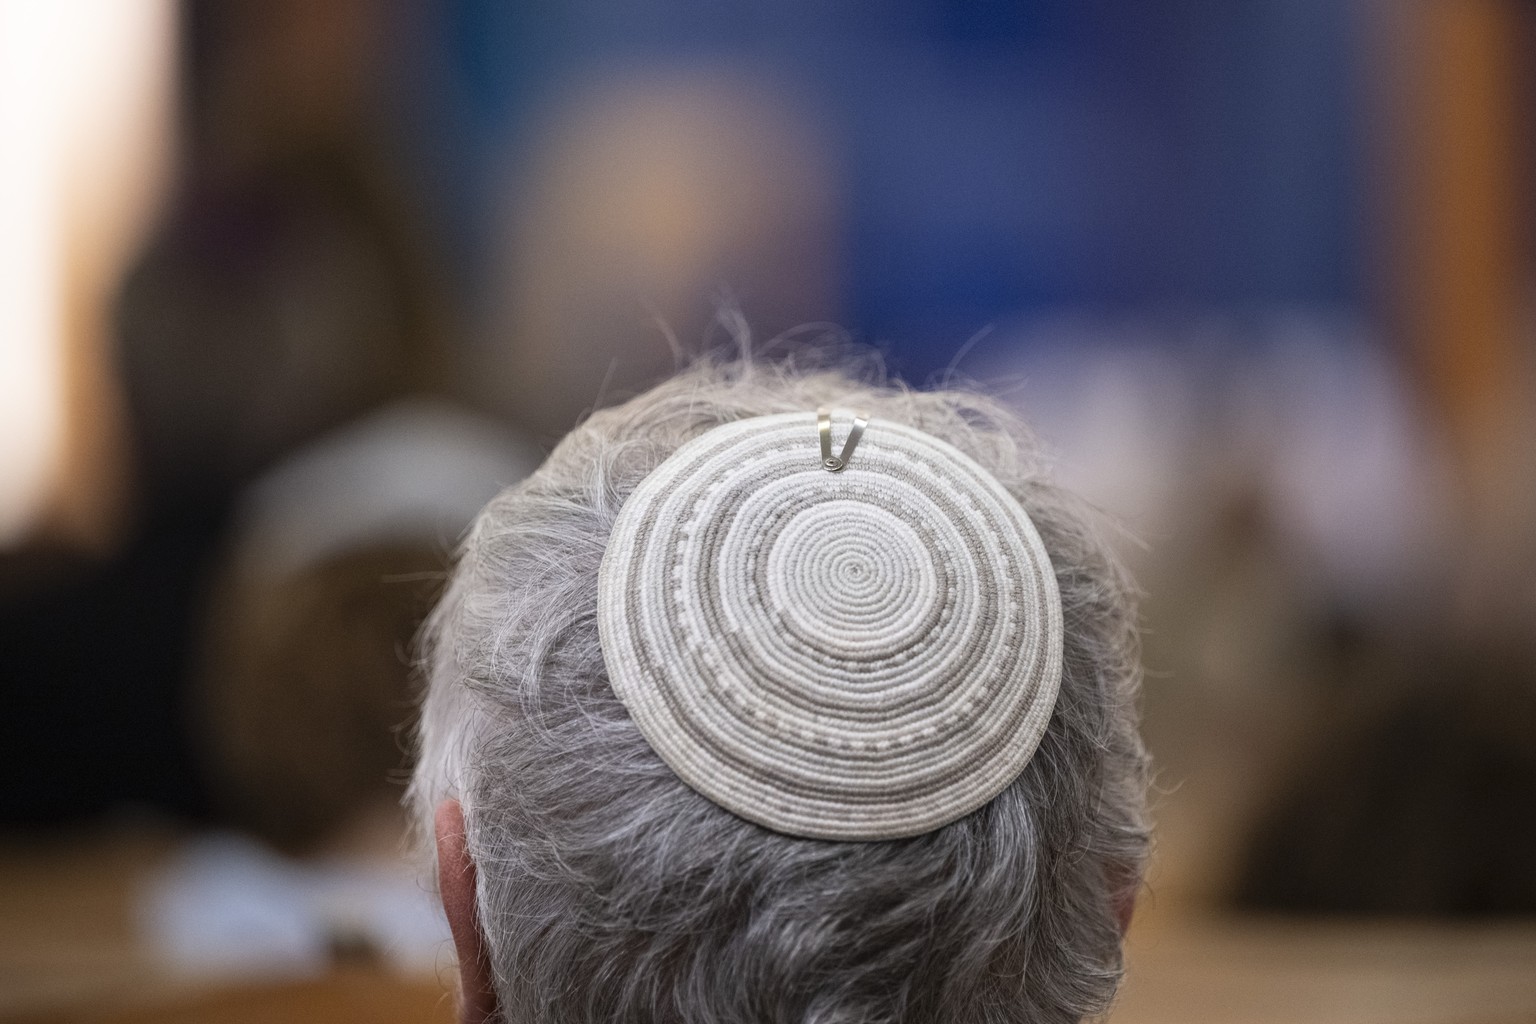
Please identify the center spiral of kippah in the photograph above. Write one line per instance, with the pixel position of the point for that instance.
(862, 654)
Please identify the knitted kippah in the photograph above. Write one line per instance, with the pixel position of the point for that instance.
(860, 651)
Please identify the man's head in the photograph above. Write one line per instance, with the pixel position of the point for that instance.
(586, 882)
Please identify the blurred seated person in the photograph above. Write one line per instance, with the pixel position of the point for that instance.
(334, 557)
(785, 695)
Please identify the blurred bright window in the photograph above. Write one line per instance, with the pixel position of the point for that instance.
(86, 91)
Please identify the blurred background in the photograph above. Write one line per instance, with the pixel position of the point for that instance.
(289, 288)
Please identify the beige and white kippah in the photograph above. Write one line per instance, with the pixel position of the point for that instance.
(853, 651)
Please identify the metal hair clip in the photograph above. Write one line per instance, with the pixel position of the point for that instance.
(836, 463)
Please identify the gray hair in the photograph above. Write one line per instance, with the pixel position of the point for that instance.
(610, 891)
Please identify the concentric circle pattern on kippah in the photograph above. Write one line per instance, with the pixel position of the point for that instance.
(854, 655)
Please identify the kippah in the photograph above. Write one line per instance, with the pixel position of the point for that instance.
(854, 648)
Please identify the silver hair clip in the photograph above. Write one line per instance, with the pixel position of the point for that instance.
(837, 463)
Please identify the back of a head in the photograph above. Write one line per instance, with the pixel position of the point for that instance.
(611, 890)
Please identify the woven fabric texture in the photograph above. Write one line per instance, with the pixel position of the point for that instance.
(860, 655)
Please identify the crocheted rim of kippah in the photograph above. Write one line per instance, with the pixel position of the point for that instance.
(864, 654)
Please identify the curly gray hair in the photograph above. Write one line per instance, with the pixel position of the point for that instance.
(610, 891)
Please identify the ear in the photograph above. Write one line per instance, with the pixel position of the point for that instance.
(1125, 909)
(1124, 888)
(456, 884)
